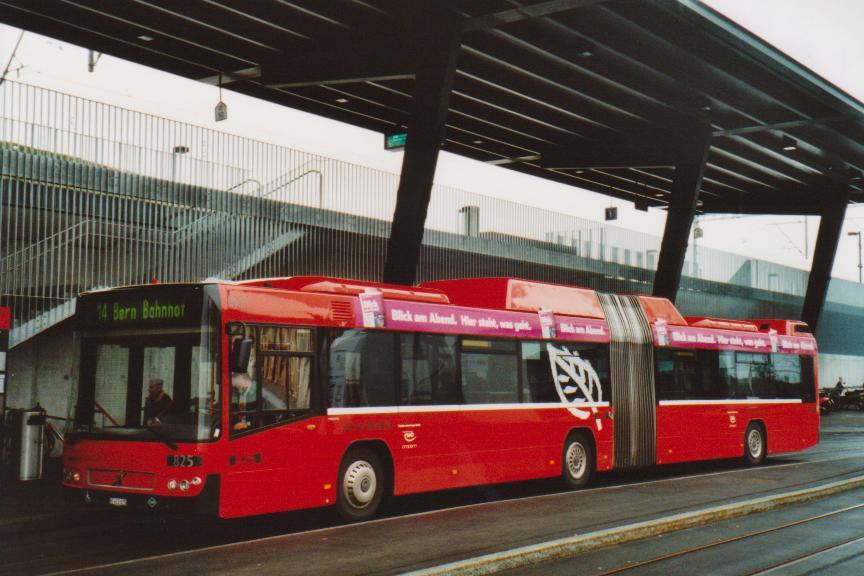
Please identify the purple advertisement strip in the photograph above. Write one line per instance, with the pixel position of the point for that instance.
(414, 316)
(686, 337)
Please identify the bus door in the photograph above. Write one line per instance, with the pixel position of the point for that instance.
(275, 454)
(631, 356)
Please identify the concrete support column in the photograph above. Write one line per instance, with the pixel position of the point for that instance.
(830, 227)
(430, 103)
(682, 209)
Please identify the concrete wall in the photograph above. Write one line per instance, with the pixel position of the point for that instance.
(42, 370)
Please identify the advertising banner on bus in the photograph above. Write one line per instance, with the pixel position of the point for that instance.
(412, 316)
(708, 339)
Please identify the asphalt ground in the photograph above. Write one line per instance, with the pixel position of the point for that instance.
(821, 537)
(42, 535)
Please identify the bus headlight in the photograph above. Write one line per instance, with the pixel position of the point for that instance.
(71, 476)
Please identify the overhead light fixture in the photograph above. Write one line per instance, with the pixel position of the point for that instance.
(145, 38)
(342, 100)
(660, 195)
(477, 141)
(586, 52)
(789, 144)
(220, 112)
(580, 171)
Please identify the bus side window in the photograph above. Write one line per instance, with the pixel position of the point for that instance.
(753, 375)
(726, 373)
(538, 384)
(361, 369)
(787, 375)
(808, 379)
(489, 372)
(710, 385)
(664, 377)
(428, 370)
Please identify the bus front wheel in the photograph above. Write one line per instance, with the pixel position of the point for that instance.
(577, 461)
(755, 447)
(361, 484)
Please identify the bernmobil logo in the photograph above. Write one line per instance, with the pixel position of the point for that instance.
(576, 382)
(409, 436)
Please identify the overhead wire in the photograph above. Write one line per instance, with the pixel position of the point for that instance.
(11, 58)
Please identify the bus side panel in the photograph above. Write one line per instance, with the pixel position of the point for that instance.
(477, 446)
(694, 431)
(790, 427)
(691, 432)
(277, 469)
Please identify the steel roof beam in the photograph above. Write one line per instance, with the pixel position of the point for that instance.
(682, 208)
(430, 104)
(347, 64)
(537, 10)
(608, 154)
(834, 203)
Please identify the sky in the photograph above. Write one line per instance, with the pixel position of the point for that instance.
(823, 35)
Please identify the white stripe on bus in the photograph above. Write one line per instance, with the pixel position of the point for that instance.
(730, 401)
(460, 408)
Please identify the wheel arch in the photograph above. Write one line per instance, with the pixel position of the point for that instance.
(382, 450)
(761, 423)
(586, 433)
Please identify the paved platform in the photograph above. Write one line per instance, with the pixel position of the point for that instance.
(430, 538)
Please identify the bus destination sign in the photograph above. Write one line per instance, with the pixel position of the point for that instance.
(141, 310)
(144, 309)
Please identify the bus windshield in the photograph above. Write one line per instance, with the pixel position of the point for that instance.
(149, 365)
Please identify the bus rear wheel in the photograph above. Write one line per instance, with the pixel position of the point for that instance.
(577, 461)
(361, 484)
(755, 447)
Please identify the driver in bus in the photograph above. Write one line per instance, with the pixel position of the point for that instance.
(158, 402)
(241, 383)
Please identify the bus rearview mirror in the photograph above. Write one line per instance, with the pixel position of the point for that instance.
(241, 351)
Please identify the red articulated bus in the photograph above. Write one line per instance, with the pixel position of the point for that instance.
(242, 398)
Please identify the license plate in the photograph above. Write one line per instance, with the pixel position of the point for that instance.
(117, 501)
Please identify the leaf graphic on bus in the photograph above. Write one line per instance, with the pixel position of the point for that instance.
(576, 382)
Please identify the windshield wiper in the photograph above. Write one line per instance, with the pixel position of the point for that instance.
(164, 439)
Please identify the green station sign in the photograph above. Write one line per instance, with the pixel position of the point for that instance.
(395, 140)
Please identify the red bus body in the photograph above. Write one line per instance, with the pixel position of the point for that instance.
(293, 464)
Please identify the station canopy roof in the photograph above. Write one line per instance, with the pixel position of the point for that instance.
(596, 94)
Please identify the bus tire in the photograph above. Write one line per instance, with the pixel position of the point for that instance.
(361, 484)
(577, 461)
(755, 444)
